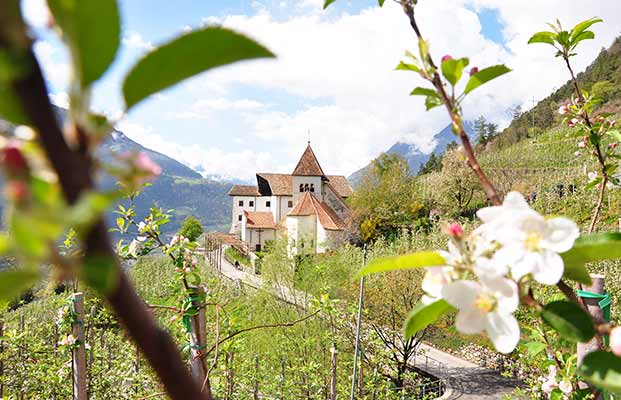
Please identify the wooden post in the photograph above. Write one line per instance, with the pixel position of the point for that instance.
(91, 352)
(333, 372)
(197, 336)
(256, 378)
(361, 378)
(595, 310)
(79, 354)
(1, 359)
(282, 378)
(22, 329)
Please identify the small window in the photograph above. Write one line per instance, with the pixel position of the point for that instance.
(301, 187)
(251, 203)
(306, 187)
(239, 217)
(290, 203)
(312, 188)
(241, 203)
(268, 204)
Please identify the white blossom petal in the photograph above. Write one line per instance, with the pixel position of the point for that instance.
(549, 269)
(561, 234)
(503, 330)
(461, 294)
(470, 321)
(525, 265)
(435, 279)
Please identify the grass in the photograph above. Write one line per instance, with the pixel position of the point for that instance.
(232, 254)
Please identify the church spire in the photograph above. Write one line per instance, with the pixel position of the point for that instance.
(308, 164)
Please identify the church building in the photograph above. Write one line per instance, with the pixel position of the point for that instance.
(307, 207)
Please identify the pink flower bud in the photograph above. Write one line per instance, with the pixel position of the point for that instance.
(612, 145)
(16, 191)
(563, 109)
(145, 164)
(474, 70)
(446, 58)
(177, 269)
(188, 270)
(573, 122)
(13, 160)
(613, 123)
(615, 340)
(582, 145)
(455, 230)
(577, 154)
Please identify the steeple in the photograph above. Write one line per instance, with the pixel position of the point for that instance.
(308, 164)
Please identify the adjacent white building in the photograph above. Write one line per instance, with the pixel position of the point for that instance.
(307, 206)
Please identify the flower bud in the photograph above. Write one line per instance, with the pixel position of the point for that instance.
(573, 122)
(13, 160)
(455, 231)
(446, 58)
(16, 191)
(563, 109)
(474, 70)
(188, 270)
(582, 145)
(615, 340)
(577, 154)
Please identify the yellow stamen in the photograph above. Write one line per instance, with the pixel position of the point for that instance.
(532, 242)
(485, 303)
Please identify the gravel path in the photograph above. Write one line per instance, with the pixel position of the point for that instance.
(466, 380)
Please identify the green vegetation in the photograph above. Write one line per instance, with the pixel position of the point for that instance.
(191, 228)
(232, 254)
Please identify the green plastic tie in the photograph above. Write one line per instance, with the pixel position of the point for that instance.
(604, 303)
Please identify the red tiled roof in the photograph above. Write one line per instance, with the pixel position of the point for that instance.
(341, 185)
(310, 205)
(260, 219)
(280, 184)
(308, 164)
(244, 190)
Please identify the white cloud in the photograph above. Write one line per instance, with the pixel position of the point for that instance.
(242, 164)
(204, 108)
(136, 41)
(54, 63)
(60, 99)
(347, 63)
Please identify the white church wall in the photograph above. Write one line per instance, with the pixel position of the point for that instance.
(238, 210)
(303, 180)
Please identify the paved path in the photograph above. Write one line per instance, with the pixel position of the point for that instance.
(467, 380)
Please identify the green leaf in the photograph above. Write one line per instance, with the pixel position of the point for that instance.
(602, 369)
(569, 320)
(381, 3)
(534, 348)
(433, 102)
(583, 26)
(421, 91)
(615, 134)
(453, 69)
(583, 36)
(89, 208)
(485, 75)
(92, 30)
(423, 315)
(101, 273)
(589, 248)
(15, 281)
(543, 37)
(414, 260)
(327, 3)
(407, 67)
(186, 56)
(10, 107)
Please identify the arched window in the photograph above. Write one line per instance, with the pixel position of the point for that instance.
(306, 187)
(301, 187)
(312, 187)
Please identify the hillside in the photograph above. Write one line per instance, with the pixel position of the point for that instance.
(412, 154)
(602, 78)
(179, 187)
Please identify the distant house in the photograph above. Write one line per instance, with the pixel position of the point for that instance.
(307, 207)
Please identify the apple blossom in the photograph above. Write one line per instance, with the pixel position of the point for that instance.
(490, 308)
(550, 383)
(530, 244)
(446, 58)
(573, 122)
(563, 109)
(456, 231)
(146, 165)
(577, 154)
(474, 70)
(582, 145)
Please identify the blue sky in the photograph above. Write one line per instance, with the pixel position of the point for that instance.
(333, 76)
